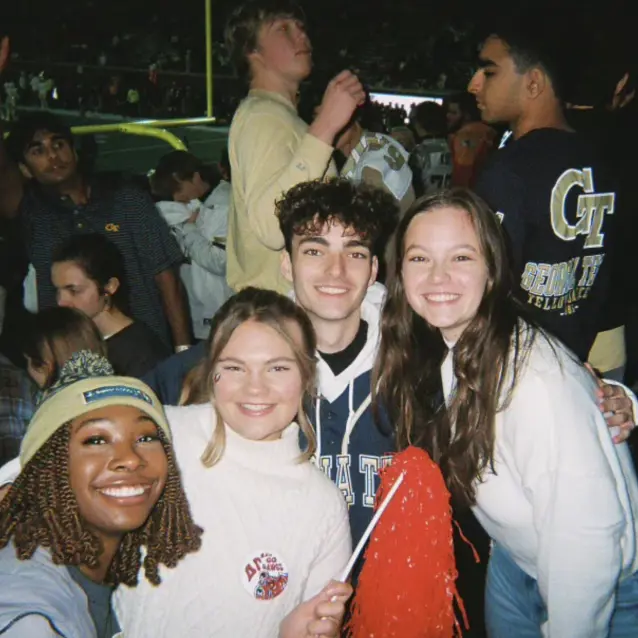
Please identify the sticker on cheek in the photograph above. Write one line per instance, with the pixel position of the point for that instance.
(217, 377)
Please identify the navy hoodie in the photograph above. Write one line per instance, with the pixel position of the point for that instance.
(350, 444)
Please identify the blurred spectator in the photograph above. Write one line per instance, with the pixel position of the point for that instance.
(471, 140)
(16, 408)
(53, 336)
(431, 161)
(88, 274)
(375, 158)
(198, 217)
(58, 201)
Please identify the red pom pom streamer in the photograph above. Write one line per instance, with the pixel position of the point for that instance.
(407, 584)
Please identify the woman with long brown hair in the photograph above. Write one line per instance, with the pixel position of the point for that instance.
(520, 438)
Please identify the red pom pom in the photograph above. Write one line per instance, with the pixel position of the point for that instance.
(407, 584)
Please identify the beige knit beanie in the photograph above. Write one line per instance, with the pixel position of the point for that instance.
(86, 382)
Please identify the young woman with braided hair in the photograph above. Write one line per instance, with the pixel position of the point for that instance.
(99, 483)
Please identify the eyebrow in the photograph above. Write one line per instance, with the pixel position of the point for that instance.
(317, 239)
(280, 19)
(139, 419)
(484, 62)
(38, 143)
(457, 247)
(270, 361)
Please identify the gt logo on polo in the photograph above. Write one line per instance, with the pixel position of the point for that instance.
(591, 208)
(112, 228)
(265, 575)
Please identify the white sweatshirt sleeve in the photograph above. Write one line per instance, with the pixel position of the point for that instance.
(9, 471)
(335, 546)
(201, 251)
(570, 474)
(33, 626)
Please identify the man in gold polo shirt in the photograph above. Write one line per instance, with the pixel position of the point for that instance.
(271, 148)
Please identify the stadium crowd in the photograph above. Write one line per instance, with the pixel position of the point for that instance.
(211, 377)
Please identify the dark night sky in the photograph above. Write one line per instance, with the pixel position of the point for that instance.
(411, 19)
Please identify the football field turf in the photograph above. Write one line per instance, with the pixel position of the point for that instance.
(138, 155)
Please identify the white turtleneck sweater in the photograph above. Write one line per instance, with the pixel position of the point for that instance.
(563, 500)
(258, 506)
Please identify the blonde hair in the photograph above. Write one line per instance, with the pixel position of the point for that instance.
(279, 313)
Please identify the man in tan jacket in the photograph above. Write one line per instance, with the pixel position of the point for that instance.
(271, 148)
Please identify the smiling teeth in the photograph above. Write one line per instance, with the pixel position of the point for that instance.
(254, 407)
(124, 492)
(442, 297)
(332, 291)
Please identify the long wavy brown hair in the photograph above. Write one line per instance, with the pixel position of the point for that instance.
(487, 358)
(40, 510)
(278, 312)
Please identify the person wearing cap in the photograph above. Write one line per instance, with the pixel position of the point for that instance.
(98, 482)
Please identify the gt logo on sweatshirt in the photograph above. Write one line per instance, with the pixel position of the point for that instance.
(591, 208)
(265, 575)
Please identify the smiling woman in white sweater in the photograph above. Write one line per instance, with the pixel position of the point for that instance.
(275, 528)
(522, 440)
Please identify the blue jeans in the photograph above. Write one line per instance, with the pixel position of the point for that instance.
(514, 607)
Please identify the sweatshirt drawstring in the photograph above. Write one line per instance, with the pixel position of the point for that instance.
(318, 431)
(353, 417)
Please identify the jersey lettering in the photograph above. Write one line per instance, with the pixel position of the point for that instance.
(343, 479)
(369, 467)
(591, 208)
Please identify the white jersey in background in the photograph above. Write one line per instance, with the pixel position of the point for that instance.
(433, 161)
(205, 276)
(384, 155)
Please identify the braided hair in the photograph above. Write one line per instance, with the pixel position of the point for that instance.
(40, 509)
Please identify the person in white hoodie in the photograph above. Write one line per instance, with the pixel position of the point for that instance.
(522, 441)
(198, 217)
